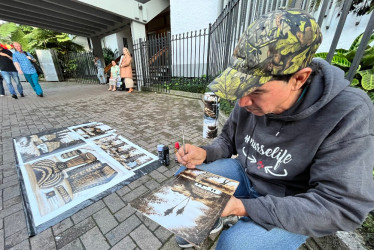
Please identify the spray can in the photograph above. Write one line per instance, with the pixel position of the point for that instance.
(160, 152)
(166, 156)
(176, 148)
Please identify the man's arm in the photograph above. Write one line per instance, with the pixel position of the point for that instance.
(18, 67)
(4, 54)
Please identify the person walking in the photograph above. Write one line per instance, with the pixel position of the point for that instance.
(126, 70)
(22, 60)
(100, 70)
(114, 74)
(8, 71)
(303, 139)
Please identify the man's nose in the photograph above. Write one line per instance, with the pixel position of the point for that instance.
(245, 101)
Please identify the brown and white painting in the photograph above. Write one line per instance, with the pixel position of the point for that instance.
(189, 205)
(129, 155)
(35, 146)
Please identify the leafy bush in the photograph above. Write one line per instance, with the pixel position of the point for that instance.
(364, 77)
(108, 56)
(194, 85)
(226, 106)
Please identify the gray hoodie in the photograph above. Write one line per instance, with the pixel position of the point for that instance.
(313, 163)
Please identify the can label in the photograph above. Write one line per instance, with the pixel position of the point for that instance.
(211, 112)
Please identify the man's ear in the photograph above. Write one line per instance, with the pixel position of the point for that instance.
(299, 78)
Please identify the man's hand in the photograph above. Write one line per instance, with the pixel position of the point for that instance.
(194, 155)
(234, 207)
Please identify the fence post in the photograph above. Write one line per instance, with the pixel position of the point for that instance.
(228, 36)
(142, 63)
(323, 11)
(335, 40)
(208, 53)
(361, 48)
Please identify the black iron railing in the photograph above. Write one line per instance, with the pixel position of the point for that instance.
(80, 67)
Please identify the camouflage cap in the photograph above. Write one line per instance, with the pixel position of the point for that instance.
(281, 42)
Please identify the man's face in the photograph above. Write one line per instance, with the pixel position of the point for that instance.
(18, 47)
(273, 97)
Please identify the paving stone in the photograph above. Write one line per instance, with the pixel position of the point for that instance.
(152, 184)
(135, 193)
(124, 213)
(13, 178)
(2, 246)
(74, 232)
(122, 230)
(114, 202)
(171, 244)
(14, 223)
(145, 239)
(11, 192)
(163, 234)
(163, 168)
(24, 245)
(105, 220)
(43, 240)
(10, 210)
(158, 176)
(147, 221)
(12, 201)
(62, 226)
(88, 211)
(127, 243)
(74, 245)
(121, 192)
(139, 182)
(93, 240)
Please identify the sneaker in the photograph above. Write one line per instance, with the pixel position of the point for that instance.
(182, 243)
(41, 95)
(15, 96)
(2, 95)
(22, 95)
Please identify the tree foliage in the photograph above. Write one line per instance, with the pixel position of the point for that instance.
(36, 38)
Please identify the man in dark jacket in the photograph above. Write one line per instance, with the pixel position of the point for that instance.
(303, 139)
(8, 71)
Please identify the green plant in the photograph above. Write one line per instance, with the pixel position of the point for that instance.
(108, 55)
(226, 106)
(364, 77)
(367, 231)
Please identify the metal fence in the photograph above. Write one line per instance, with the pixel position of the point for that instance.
(190, 60)
(79, 66)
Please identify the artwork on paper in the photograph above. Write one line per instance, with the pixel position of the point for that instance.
(59, 180)
(92, 130)
(35, 146)
(126, 153)
(189, 205)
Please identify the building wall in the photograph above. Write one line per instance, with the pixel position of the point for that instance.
(191, 15)
(349, 33)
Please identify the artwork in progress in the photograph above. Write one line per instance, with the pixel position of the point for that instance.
(78, 169)
(189, 205)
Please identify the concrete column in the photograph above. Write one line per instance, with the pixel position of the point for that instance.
(137, 31)
(97, 49)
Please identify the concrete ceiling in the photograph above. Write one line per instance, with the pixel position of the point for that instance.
(64, 16)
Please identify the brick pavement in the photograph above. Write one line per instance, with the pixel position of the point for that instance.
(145, 118)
